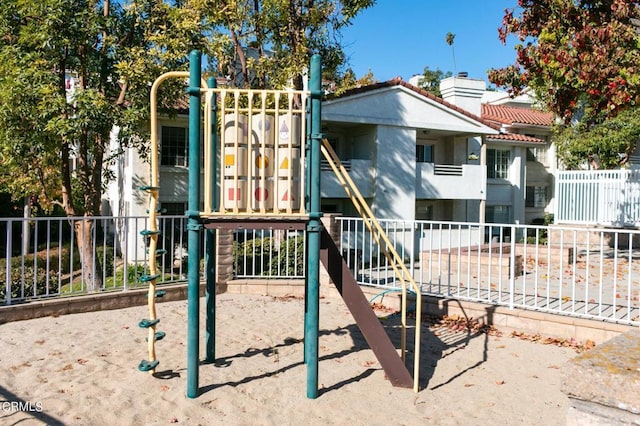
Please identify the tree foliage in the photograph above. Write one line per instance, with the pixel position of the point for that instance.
(578, 56)
(430, 80)
(268, 43)
(608, 143)
(70, 72)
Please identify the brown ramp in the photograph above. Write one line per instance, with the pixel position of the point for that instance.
(366, 319)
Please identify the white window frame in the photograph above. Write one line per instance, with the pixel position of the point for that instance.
(171, 153)
(424, 153)
(540, 196)
(498, 163)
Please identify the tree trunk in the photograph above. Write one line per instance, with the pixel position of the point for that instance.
(26, 226)
(91, 266)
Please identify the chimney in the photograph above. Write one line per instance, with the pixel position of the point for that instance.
(463, 92)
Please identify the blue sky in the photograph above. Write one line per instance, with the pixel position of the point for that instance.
(401, 37)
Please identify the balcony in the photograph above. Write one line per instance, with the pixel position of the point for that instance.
(442, 181)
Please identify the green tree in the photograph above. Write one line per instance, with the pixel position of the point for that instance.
(72, 71)
(449, 39)
(610, 141)
(268, 43)
(430, 80)
(578, 56)
(581, 59)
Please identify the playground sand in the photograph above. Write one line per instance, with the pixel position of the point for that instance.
(81, 369)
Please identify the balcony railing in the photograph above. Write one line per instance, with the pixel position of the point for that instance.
(447, 170)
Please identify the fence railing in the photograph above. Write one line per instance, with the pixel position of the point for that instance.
(590, 273)
(40, 257)
(570, 271)
(598, 197)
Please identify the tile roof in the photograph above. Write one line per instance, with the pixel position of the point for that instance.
(399, 82)
(512, 115)
(514, 137)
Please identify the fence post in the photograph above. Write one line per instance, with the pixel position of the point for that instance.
(8, 258)
(512, 267)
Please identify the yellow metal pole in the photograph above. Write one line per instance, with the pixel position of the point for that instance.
(372, 223)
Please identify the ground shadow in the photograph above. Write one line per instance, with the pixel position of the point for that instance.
(12, 405)
(358, 343)
(440, 339)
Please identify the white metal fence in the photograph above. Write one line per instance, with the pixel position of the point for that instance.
(590, 273)
(40, 258)
(598, 197)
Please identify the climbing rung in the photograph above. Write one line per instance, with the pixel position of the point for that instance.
(149, 188)
(147, 365)
(159, 335)
(160, 293)
(146, 323)
(147, 278)
(146, 232)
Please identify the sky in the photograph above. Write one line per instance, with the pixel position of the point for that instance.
(401, 37)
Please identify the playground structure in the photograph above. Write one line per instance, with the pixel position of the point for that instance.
(269, 143)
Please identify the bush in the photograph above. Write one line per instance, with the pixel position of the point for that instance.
(249, 257)
(24, 279)
(290, 260)
(261, 257)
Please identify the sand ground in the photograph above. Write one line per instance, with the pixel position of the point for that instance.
(81, 369)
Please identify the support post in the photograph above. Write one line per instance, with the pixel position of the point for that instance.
(314, 228)
(193, 227)
(210, 240)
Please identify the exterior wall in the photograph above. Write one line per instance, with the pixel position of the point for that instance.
(469, 186)
(395, 192)
(517, 175)
(123, 197)
(510, 192)
(463, 92)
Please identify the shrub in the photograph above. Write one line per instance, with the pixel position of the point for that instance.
(260, 256)
(290, 259)
(24, 279)
(250, 256)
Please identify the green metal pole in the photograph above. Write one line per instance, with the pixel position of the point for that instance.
(314, 228)
(307, 206)
(193, 227)
(210, 240)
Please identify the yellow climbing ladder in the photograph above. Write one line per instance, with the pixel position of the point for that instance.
(152, 232)
(394, 259)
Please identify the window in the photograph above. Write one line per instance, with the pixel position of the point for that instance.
(536, 196)
(424, 153)
(498, 162)
(538, 153)
(173, 209)
(424, 210)
(498, 214)
(173, 146)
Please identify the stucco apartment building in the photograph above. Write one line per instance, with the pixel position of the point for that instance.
(471, 155)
